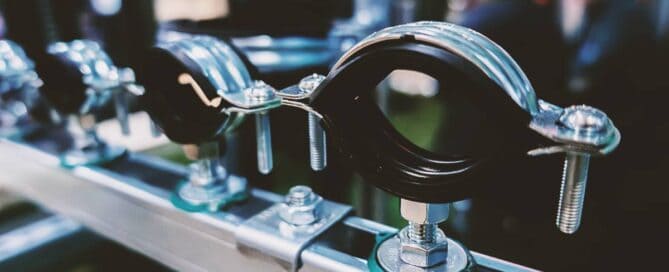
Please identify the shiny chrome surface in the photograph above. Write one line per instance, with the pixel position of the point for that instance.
(269, 234)
(16, 69)
(581, 132)
(223, 68)
(260, 92)
(103, 81)
(389, 257)
(18, 88)
(98, 72)
(554, 123)
(583, 124)
(424, 213)
(95, 65)
(467, 43)
(572, 192)
(501, 68)
(301, 207)
(421, 244)
(209, 185)
(88, 147)
(317, 137)
(129, 211)
(141, 216)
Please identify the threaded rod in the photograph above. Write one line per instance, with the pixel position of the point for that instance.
(572, 192)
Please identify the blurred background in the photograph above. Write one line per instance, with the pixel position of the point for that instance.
(611, 54)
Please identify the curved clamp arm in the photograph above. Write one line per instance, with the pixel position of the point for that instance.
(446, 52)
(198, 88)
(80, 78)
(16, 69)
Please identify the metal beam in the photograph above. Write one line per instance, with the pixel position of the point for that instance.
(139, 214)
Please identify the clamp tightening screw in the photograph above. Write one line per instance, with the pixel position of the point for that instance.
(260, 92)
(584, 120)
(301, 206)
(317, 138)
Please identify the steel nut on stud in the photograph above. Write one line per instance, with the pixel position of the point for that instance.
(422, 243)
(424, 213)
(423, 254)
(301, 207)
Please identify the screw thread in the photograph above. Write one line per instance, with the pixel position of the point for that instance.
(264, 143)
(423, 233)
(317, 144)
(572, 192)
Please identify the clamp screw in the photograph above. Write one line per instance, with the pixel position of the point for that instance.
(317, 137)
(299, 196)
(259, 92)
(422, 243)
(301, 207)
(264, 143)
(584, 120)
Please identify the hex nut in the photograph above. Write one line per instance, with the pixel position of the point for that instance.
(310, 83)
(304, 211)
(423, 254)
(424, 213)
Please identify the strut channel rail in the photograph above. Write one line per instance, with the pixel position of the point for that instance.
(138, 213)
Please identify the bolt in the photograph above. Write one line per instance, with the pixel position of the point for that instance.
(264, 143)
(301, 207)
(317, 137)
(207, 179)
(423, 244)
(309, 83)
(421, 253)
(299, 196)
(121, 107)
(259, 92)
(572, 192)
(584, 120)
(317, 144)
(206, 171)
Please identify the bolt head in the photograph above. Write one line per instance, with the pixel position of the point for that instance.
(589, 126)
(301, 207)
(259, 91)
(584, 118)
(423, 254)
(300, 195)
(424, 213)
(310, 83)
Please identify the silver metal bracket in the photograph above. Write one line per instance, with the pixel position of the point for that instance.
(181, 241)
(257, 98)
(548, 123)
(267, 234)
